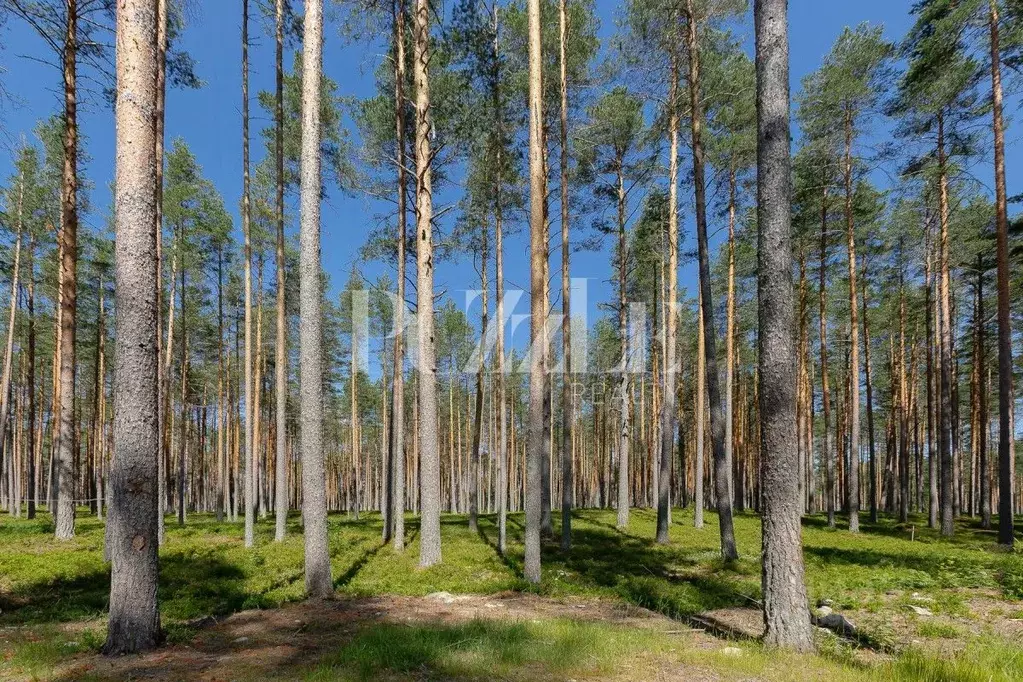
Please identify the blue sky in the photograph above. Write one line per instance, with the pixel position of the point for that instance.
(209, 119)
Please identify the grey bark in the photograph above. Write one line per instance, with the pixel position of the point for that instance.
(397, 454)
(281, 502)
(134, 622)
(669, 406)
(314, 496)
(785, 604)
(65, 517)
(249, 455)
(717, 426)
(535, 445)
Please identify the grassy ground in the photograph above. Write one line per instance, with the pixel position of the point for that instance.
(53, 595)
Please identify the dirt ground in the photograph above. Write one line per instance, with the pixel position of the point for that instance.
(268, 644)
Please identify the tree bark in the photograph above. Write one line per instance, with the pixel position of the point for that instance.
(1005, 395)
(249, 451)
(538, 313)
(669, 405)
(785, 601)
(826, 451)
(281, 502)
(314, 503)
(65, 517)
(852, 475)
(946, 442)
(429, 483)
(397, 450)
(134, 621)
(567, 407)
(717, 427)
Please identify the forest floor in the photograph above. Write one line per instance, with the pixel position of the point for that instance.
(616, 607)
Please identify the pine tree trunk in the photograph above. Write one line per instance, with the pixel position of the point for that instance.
(397, 445)
(429, 485)
(669, 404)
(567, 406)
(1005, 394)
(722, 466)
(249, 451)
(826, 453)
(538, 314)
(624, 386)
(33, 440)
(134, 621)
(785, 601)
(852, 480)
(870, 409)
(64, 520)
(281, 502)
(945, 440)
(314, 504)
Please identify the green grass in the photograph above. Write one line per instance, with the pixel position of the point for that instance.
(205, 570)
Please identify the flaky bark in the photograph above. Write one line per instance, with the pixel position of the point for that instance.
(535, 445)
(64, 520)
(249, 452)
(134, 622)
(717, 418)
(314, 497)
(785, 603)
(281, 502)
(429, 484)
(397, 447)
(669, 406)
(1005, 396)
(567, 409)
(852, 472)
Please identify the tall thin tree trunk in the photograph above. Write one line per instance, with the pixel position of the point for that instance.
(397, 445)
(826, 453)
(134, 622)
(785, 614)
(624, 386)
(5, 383)
(429, 484)
(852, 480)
(65, 517)
(946, 442)
(1005, 395)
(567, 407)
(717, 426)
(538, 307)
(502, 430)
(33, 480)
(249, 451)
(870, 408)
(669, 406)
(314, 503)
(477, 428)
(158, 144)
(983, 475)
(281, 349)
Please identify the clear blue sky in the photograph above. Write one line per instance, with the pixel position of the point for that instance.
(209, 119)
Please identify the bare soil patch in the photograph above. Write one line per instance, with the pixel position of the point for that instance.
(281, 643)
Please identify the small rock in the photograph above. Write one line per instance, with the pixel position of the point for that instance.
(731, 651)
(70, 644)
(837, 623)
(825, 602)
(824, 611)
(241, 640)
(491, 605)
(920, 611)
